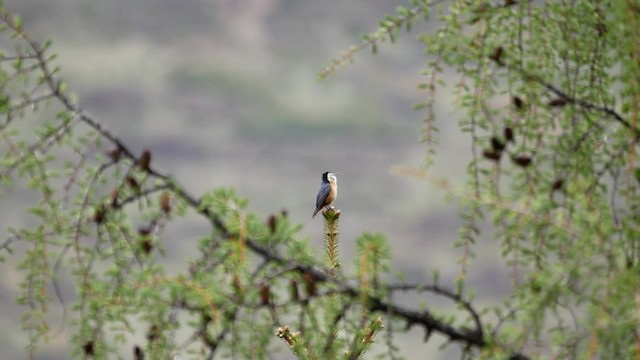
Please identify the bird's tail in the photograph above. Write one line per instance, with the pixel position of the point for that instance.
(314, 213)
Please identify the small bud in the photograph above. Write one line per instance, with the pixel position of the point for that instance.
(522, 160)
(284, 213)
(285, 334)
(517, 102)
(310, 284)
(497, 144)
(492, 155)
(281, 331)
(271, 223)
(264, 293)
(145, 160)
(508, 134)
(137, 353)
(132, 182)
(115, 154)
(293, 291)
(98, 214)
(557, 184)
(144, 231)
(146, 245)
(88, 348)
(558, 102)
(165, 202)
(497, 55)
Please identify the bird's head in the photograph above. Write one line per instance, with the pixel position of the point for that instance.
(329, 177)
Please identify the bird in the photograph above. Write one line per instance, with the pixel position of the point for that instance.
(327, 193)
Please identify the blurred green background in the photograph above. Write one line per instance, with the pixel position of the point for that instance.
(225, 93)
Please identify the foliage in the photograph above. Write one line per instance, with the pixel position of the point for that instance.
(551, 95)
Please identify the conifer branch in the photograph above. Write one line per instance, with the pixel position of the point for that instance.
(363, 339)
(331, 244)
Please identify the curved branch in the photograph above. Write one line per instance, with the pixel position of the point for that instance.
(436, 289)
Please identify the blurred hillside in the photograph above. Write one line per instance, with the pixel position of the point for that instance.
(225, 93)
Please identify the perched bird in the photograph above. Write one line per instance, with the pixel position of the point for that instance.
(327, 193)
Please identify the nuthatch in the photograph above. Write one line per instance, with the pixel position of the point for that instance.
(327, 193)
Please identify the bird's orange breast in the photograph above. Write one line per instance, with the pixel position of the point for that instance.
(332, 194)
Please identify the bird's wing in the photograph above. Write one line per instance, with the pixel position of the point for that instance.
(322, 195)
